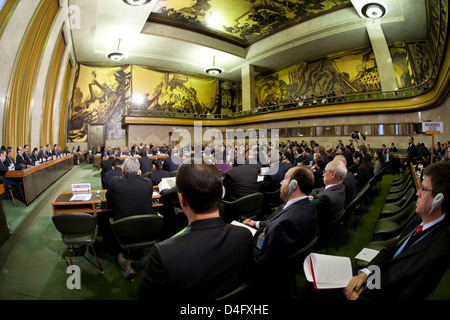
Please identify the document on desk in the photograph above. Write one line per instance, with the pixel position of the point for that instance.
(81, 197)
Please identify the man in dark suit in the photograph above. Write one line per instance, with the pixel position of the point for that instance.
(26, 155)
(9, 182)
(363, 172)
(240, 181)
(330, 200)
(349, 180)
(107, 164)
(9, 159)
(210, 258)
(171, 164)
(145, 162)
(289, 230)
(413, 267)
(20, 160)
(130, 194)
(274, 176)
(117, 171)
(157, 173)
(411, 152)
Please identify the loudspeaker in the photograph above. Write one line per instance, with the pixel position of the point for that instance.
(437, 202)
(292, 185)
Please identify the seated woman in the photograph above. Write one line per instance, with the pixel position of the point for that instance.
(157, 172)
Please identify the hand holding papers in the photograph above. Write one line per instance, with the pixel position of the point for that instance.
(326, 271)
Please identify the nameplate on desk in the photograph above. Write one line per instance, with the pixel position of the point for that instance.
(81, 187)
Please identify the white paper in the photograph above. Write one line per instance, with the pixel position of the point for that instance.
(239, 224)
(81, 197)
(166, 183)
(329, 272)
(367, 254)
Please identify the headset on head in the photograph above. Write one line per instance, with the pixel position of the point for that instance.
(437, 202)
(292, 185)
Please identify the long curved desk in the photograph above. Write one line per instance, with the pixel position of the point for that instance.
(36, 179)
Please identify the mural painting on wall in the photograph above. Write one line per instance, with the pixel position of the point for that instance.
(173, 91)
(403, 65)
(99, 97)
(314, 79)
(230, 97)
(244, 22)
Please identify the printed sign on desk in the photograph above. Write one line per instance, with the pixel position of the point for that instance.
(81, 187)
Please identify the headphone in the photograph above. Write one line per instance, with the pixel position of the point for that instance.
(437, 202)
(292, 185)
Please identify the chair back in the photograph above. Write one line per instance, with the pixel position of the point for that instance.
(246, 205)
(173, 173)
(70, 223)
(138, 231)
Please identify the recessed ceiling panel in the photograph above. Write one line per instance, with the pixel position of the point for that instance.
(241, 22)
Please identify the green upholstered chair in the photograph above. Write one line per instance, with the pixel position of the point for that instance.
(392, 226)
(246, 207)
(78, 229)
(391, 209)
(137, 232)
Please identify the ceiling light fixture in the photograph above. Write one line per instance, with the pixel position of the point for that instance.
(136, 2)
(213, 70)
(373, 10)
(117, 55)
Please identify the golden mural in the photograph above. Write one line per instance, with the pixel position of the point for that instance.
(354, 72)
(245, 21)
(104, 94)
(99, 97)
(173, 91)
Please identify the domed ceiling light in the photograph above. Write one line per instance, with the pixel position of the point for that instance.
(213, 71)
(136, 2)
(373, 10)
(117, 55)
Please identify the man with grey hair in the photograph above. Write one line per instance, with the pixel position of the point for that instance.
(349, 180)
(130, 194)
(330, 200)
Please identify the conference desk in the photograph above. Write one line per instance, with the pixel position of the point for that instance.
(35, 179)
(4, 231)
(97, 203)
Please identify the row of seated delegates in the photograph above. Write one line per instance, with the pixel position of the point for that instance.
(4, 168)
(413, 266)
(442, 152)
(160, 267)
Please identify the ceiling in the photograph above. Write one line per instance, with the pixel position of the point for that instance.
(186, 35)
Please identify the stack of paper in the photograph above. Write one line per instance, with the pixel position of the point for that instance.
(326, 271)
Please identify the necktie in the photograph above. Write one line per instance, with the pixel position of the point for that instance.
(417, 231)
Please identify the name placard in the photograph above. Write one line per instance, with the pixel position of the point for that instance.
(433, 127)
(81, 187)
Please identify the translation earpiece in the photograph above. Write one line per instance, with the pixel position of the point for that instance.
(292, 185)
(437, 202)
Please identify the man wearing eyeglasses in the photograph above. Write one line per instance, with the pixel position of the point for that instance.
(413, 267)
(330, 200)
